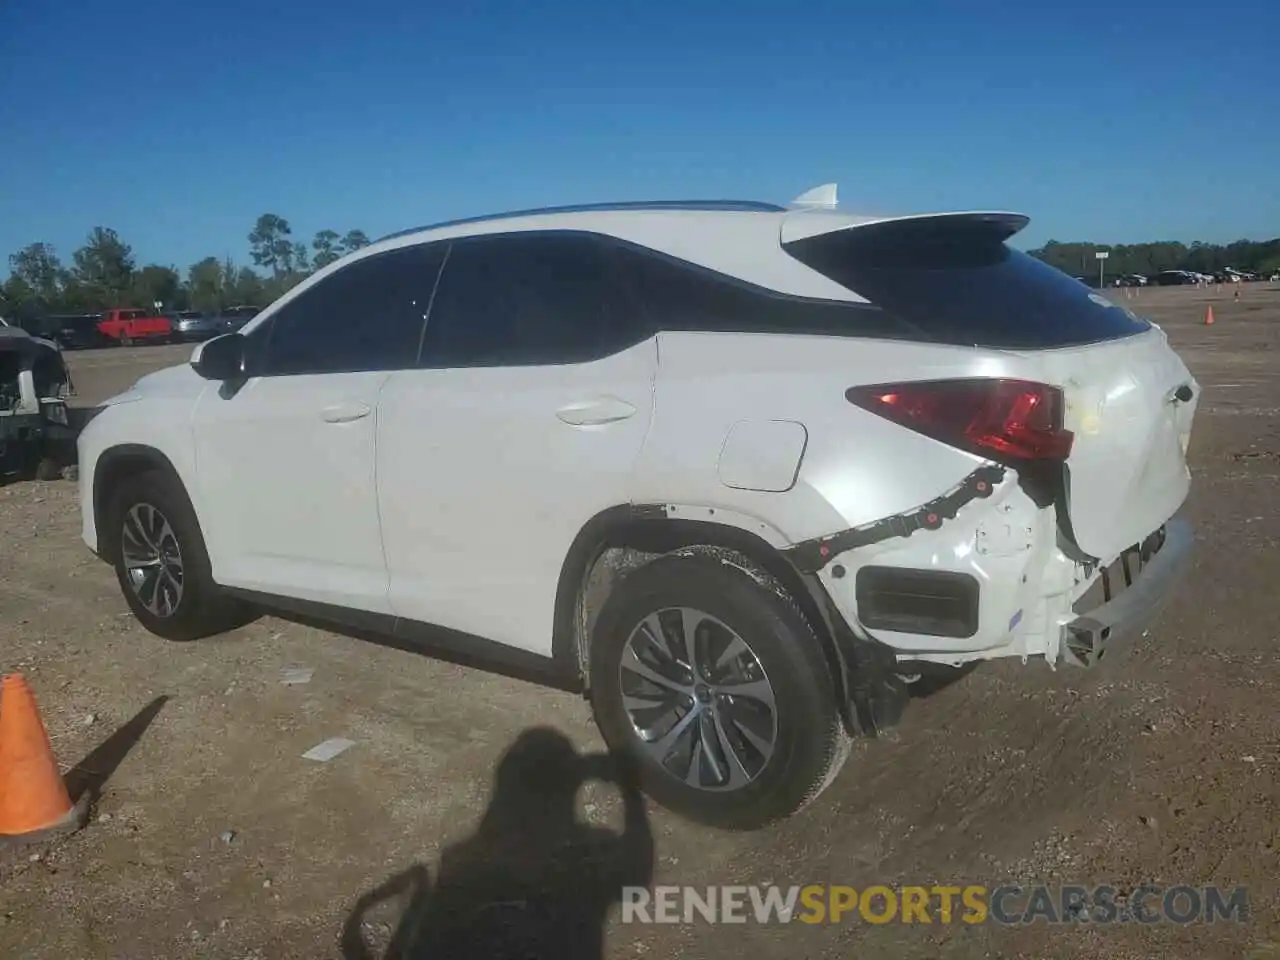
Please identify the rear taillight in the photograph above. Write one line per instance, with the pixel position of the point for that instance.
(1003, 420)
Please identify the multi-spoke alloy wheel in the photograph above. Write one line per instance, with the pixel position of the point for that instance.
(152, 559)
(161, 560)
(699, 699)
(708, 676)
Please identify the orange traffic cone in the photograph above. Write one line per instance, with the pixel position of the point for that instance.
(1208, 317)
(34, 803)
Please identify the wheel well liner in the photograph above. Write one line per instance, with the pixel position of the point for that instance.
(648, 528)
(114, 465)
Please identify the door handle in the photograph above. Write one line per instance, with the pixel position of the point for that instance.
(346, 412)
(597, 411)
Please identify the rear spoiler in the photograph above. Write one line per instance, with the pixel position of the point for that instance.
(802, 224)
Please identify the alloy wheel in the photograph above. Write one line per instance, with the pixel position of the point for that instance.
(698, 699)
(152, 559)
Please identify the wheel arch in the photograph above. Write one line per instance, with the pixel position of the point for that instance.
(115, 465)
(630, 535)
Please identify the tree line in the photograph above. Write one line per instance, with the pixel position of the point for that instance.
(104, 273)
(1079, 259)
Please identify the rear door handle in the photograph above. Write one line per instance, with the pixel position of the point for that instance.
(346, 412)
(596, 411)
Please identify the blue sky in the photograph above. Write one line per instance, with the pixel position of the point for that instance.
(178, 123)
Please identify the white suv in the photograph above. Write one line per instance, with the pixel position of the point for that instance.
(741, 472)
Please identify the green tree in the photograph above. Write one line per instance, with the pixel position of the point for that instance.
(35, 278)
(300, 258)
(326, 247)
(154, 284)
(104, 267)
(246, 289)
(354, 240)
(269, 244)
(205, 284)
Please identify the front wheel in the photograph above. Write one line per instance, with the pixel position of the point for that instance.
(707, 676)
(161, 562)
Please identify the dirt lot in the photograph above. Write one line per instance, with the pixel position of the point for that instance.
(212, 838)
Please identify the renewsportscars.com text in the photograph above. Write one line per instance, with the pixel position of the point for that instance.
(971, 904)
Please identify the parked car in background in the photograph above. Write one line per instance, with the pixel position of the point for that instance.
(128, 325)
(194, 325)
(1239, 276)
(233, 318)
(77, 331)
(1132, 280)
(1174, 278)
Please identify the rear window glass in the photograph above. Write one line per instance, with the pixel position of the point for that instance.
(957, 282)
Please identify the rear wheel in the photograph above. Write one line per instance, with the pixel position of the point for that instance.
(707, 676)
(161, 562)
(126, 340)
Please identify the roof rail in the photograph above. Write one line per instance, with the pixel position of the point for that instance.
(742, 206)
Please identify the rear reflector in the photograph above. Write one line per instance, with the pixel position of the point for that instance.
(1003, 420)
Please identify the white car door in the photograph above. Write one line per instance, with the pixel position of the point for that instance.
(285, 461)
(525, 420)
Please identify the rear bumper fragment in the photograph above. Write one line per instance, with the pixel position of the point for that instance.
(1086, 639)
(811, 556)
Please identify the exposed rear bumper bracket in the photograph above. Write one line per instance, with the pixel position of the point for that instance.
(1086, 639)
(811, 556)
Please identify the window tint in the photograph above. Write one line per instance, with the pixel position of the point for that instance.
(677, 295)
(955, 279)
(366, 316)
(532, 298)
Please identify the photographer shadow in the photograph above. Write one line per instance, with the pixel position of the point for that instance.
(533, 881)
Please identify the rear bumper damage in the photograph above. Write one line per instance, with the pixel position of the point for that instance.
(1152, 578)
(986, 571)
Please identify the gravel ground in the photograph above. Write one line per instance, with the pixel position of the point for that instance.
(212, 838)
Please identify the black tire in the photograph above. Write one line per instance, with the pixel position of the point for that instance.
(202, 608)
(48, 469)
(810, 743)
(126, 340)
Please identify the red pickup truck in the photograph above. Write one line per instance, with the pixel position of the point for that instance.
(128, 325)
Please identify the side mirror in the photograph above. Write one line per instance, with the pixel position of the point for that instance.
(222, 358)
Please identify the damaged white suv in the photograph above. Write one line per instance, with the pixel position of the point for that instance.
(739, 471)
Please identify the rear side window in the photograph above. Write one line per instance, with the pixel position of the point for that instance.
(529, 298)
(677, 295)
(956, 281)
(367, 316)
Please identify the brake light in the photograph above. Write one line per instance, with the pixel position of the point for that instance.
(1000, 419)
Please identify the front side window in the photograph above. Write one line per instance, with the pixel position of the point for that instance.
(529, 298)
(366, 316)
